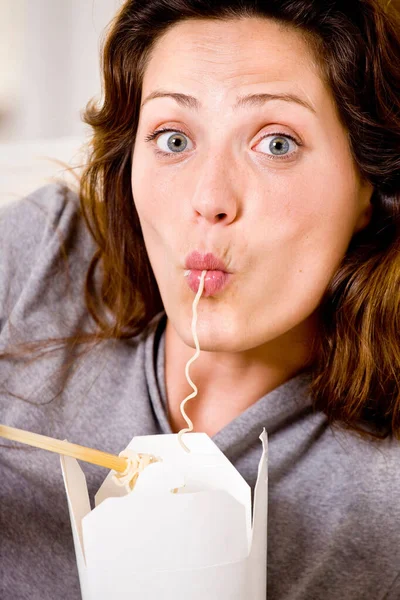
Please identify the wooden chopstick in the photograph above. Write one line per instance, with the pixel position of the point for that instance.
(97, 457)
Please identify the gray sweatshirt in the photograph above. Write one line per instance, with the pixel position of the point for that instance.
(334, 498)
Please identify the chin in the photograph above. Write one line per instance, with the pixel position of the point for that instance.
(215, 337)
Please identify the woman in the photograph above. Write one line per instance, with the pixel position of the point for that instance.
(259, 141)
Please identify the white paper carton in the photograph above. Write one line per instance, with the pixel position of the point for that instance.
(199, 543)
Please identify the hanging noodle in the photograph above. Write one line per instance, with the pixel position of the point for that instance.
(193, 358)
(137, 462)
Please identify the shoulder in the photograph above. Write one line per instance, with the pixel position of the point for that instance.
(41, 207)
(370, 458)
(37, 234)
(370, 468)
(29, 223)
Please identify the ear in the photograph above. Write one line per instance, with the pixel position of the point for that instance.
(366, 208)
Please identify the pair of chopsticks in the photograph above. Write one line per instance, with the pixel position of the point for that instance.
(90, 455)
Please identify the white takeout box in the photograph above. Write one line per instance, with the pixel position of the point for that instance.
(196, 544)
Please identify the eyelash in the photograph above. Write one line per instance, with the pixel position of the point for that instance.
(155, 134)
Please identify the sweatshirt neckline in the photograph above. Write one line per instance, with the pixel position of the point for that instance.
(272, 411)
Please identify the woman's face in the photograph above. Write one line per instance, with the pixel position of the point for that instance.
(267, 185)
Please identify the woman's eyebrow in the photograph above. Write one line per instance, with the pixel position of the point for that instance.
(249, 100)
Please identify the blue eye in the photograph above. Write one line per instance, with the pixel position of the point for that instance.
(176, 143)
(280, 144)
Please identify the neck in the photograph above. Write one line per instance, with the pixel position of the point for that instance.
(228, 383)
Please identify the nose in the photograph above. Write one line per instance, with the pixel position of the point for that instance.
(215, 198)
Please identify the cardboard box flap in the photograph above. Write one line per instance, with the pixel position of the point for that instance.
(205, 467)
(77, 494)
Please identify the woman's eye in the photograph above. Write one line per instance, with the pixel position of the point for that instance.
(169, 141)
(281, 145)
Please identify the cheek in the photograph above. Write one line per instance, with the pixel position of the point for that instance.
(322, 197)
(151, 188)
(302, 209)
(146, 194)
(302, 227)
(151, 195)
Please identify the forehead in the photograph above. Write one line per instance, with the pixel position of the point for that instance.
(214, 59)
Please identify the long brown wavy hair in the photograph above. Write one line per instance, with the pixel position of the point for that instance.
(357, 46)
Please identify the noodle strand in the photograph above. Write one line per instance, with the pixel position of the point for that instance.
(192, 359)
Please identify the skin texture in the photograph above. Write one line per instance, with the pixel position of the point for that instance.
(280, 225)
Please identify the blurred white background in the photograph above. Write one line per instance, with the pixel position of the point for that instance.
(49, 69)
